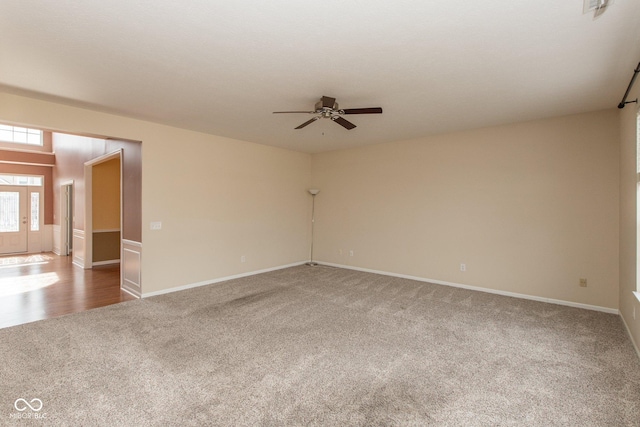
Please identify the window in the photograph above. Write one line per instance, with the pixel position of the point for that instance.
(9, 211)
(31, 181)
(638, 144)
(35, 211)
(638, 203)
(19, 135)
(9, 202)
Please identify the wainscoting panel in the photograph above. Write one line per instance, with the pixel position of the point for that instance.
(131, 265)
(106, 247)
(78, 247)
(47, 238)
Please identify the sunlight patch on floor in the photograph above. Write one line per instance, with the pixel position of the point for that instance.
(24, 259)
(19, 285)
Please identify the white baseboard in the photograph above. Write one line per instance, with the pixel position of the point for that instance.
(403, 276)
(635, 345)
(130, 292)
(480, 289)
(107, 262)
(221, 279)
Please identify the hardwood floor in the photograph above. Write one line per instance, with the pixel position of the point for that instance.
(42, 286)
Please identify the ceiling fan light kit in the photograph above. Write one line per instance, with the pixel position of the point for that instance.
(328, 108)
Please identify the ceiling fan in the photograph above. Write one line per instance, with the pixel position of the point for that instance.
(328, 108)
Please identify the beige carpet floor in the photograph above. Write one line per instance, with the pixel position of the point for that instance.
(322, 346)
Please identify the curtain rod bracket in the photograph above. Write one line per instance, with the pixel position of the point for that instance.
(633, 79)
(622, 104)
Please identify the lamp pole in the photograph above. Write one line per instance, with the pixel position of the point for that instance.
(313, 193)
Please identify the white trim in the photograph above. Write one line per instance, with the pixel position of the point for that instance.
(79, 245)
(630, 336)
(22, 150)
(66, 220)
(480, 289)
(132, 243)
(108, 262)
(131, 267)
(56, 246)
(13, 162)
(27, 175)
(106, 230)
(637, 294)
(47, 238)
(130, 292)
(221, 279)
(104, 158)
(36, 238)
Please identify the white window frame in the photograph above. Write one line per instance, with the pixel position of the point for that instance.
(31, 180)
(21, 130)
(637, 290)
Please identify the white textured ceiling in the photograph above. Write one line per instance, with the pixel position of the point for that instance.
(222, 67)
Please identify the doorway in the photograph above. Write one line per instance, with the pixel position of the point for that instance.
(66, 218)
(21, 214)
(103, 210)
(13, 219)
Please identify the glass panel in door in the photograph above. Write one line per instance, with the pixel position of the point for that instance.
(13, 219)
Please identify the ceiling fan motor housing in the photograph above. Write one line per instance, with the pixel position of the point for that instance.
(326, 111)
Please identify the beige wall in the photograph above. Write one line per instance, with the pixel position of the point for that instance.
(628, 217)
(529, 208)
(217, 198)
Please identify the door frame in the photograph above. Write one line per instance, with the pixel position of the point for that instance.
(88, 206)
(24, 210)
(35, 238)
(66, 219)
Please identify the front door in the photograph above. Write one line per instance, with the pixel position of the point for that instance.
(13, 219)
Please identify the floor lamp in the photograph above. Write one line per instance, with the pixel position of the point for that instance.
(313, 193)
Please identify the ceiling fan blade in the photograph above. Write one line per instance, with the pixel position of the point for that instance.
(328, 101)
(343, 122)
(373, 110)
(308, 122)
(284, 112)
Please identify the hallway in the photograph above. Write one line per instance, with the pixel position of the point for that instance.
(41, 286)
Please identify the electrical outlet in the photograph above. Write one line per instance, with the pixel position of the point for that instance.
(583, 283)
(156, 225)
(243, 258)
(351, 252)
(463, 267)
